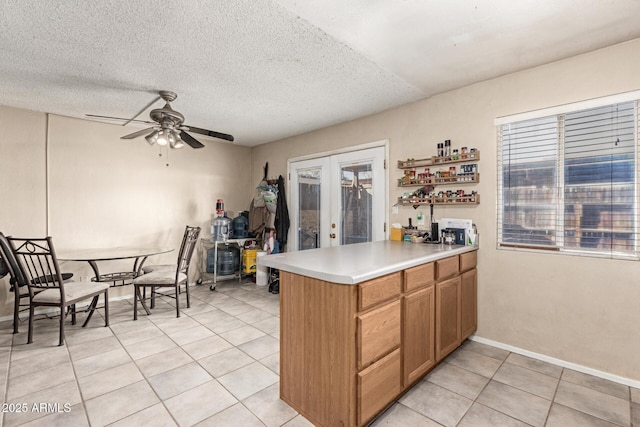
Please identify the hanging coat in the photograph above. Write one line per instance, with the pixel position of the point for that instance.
(282, 215)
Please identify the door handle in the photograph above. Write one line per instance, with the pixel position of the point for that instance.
(332, 235)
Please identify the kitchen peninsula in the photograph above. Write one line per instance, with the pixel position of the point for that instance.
(360, 324)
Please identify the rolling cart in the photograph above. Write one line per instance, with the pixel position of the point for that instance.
(205, 276)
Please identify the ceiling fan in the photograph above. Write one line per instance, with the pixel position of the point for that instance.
(169, 128)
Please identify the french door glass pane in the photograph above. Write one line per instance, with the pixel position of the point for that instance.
(309, 191)
(356, 203)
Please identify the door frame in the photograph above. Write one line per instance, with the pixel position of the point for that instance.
(381, 143)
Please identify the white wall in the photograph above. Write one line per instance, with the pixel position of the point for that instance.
(581, 310)
(77, 181)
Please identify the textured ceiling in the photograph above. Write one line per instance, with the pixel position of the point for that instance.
(263, 70)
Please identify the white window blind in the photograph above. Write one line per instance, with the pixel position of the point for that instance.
(569, 182)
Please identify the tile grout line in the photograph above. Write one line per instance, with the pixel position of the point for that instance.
(197, 362)
(255, 360)
(483, 388)
(144, 377)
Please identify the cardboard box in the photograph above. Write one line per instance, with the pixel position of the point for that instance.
(397, 234)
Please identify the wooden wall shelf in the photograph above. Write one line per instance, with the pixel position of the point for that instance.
(450, 180)
(436, 161)
(467, 199)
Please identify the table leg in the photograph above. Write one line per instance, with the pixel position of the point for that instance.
(144, 305)
(138, 267)
(91, 309)
(96, 271)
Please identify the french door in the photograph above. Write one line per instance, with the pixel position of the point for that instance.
(338, 199)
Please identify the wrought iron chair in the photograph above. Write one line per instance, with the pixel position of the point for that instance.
(17, 283)
(38, 265)
(168, 278)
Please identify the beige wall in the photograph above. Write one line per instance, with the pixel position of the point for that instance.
(581, 310)
(77, 181)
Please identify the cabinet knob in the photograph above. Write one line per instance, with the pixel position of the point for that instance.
(332, 235)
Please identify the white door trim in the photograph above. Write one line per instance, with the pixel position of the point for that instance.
(381, 143)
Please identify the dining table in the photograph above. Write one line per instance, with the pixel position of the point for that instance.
(93, 256)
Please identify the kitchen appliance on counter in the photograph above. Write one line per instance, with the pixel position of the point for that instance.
(448, 236)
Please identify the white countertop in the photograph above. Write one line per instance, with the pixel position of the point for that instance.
(351, 264)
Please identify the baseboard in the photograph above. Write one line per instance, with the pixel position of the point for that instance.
(559, 362)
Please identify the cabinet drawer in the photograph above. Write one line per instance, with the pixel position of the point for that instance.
(378, 290)
(447, 267)
(378, 333)
(418, 277)
(378, 386)
(468, 260)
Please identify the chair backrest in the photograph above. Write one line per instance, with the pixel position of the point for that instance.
(15, 272)
(189, 241)
(37, 259)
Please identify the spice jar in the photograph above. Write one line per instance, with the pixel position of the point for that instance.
(452, 171)
(472, 153)
(440, 149)
(455, 154)
(447, 147)
(463, 152)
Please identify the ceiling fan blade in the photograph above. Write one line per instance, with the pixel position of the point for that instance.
(194, 143)
(142, 111)
(219, 135)
(118, 118)
(138, 133)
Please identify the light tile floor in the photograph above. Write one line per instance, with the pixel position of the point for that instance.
(218, 365)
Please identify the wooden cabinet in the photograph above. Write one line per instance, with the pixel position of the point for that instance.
(348, 351)
(448, 331)
(378, 290)
(378, 385)
(468, 302)
(418, 277)
(456, 302)
(378, 333)
(468, 260)
(418, 338)
(447, 267)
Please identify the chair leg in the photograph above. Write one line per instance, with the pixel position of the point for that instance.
(186, 288)
(177, 301)
(61, 326)
(31, 313)
(136, 289)
(16, 308)
(73, 314)
(153, 296)
(106, 308)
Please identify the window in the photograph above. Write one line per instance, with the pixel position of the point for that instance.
(567, 182)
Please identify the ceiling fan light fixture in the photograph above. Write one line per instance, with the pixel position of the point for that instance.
(177, 142)
(163, 137)
(152, 138)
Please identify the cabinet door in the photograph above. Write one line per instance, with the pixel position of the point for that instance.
(468, 303)
(418, 341)
(448, 331)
